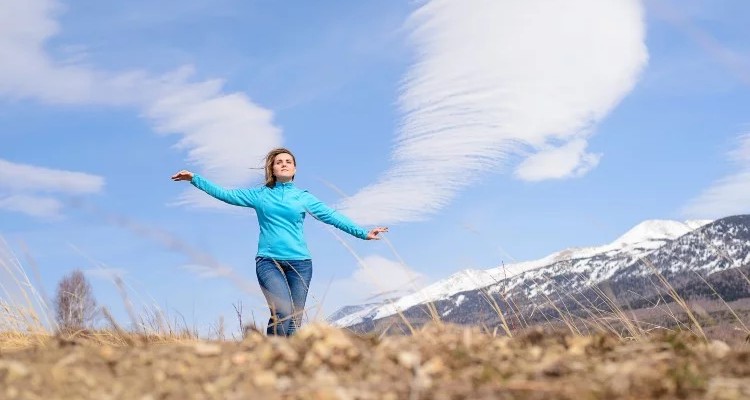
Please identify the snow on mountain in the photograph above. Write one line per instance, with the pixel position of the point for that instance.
(637, 242)
(359, 308)
(657, 230)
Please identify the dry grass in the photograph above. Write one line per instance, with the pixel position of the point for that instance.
(24, 326)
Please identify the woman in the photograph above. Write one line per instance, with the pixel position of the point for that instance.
(283, 262)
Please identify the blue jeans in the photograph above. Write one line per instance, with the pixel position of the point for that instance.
(285, 284)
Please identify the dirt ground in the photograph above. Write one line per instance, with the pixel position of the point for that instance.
(438, 362)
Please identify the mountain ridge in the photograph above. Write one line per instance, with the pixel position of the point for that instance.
(581, 266)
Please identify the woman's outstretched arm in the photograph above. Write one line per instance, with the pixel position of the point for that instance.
(322, 212)
(236, 197)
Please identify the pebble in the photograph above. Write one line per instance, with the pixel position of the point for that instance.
(408, 359)
(13, 370)
(718, 349)
(207, 349)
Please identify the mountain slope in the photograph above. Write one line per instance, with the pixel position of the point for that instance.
(626, 266)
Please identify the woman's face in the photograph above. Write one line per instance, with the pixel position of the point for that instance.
(283, 167)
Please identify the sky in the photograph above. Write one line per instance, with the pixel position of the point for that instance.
(480, 132)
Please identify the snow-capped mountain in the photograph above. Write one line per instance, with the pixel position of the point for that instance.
(671, 247)
(348, 310)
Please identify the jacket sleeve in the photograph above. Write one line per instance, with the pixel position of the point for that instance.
(322, 212)
(235, 197)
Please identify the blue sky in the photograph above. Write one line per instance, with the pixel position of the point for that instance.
(480, 132)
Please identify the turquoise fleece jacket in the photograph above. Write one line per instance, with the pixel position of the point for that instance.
(281, 213)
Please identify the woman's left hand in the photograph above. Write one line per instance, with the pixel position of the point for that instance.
(373, 234)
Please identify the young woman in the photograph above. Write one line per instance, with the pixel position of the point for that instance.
(283, 263)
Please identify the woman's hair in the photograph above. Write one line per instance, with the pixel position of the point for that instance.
(270, 179)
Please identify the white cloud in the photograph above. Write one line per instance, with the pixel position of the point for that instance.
(496, 78)
(741, 154)
(24, 177)
(569, 160)
(26, 70)
(25, 188)
(729, 195)
(380, 276)
(35, 206)
(223, 134)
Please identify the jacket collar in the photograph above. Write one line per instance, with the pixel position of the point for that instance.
(286, 185)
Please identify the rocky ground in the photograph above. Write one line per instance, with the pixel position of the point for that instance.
(438, 362)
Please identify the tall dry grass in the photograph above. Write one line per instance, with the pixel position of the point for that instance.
(27, 317)
(29, 321)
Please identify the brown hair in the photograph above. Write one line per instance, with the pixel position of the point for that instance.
(270, 179)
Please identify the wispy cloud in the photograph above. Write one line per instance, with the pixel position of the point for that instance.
(729, 195)
(498, 79)
(379, 276)
(33, 190)
(225, 135)
(681, 14)
(570, 159)
(26, 71)
(222, 133)
(24, 177)
(35, 206)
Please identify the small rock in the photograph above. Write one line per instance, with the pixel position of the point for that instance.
(434, 366)
(207, 349)
(13, 370)
(68, 360)
(728, 389)
(577, 345)
(265, 379)
(718, 349)
(284, 383)
(408, 359)
(325, 378)
(322, 350)
(311, 362)
(390, 396)
(280, 367)
(535, 353)
(107, 353)
(239, 358)
(160, 376)
(82, 376)
(288, 354)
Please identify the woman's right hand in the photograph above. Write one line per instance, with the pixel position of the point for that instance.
(183, 175)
